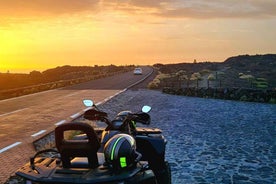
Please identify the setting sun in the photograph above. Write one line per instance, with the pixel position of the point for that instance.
(44, 34)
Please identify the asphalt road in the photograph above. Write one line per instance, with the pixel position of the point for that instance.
(26, 118)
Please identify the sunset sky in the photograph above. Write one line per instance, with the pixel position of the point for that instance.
(41, 34)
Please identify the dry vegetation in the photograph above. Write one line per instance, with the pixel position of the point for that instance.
(246, 78)
(257, 72)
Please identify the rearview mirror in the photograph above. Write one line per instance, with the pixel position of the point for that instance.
(146, 109)
(88, 103)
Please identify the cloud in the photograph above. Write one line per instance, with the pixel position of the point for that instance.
(15, 8)
(201, 9)
(149, 4)
(138, 3)
(197, 9)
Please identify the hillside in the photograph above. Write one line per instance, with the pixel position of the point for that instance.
(239, 71)
(61, 73)
(14, 85)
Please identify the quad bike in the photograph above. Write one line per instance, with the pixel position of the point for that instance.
(119, 153)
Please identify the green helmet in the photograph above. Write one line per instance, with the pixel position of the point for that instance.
(120, 152)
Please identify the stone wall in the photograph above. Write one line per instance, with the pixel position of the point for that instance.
(240, 94)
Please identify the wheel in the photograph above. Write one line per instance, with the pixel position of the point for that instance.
(164, 177)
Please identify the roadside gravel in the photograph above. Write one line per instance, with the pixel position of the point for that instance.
(210, 141)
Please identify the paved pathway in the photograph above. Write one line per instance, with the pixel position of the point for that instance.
(211, 141)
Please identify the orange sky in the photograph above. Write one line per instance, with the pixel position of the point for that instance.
(41, 34)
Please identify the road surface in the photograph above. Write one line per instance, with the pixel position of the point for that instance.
(24, 119)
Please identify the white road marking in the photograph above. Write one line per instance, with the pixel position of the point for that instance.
(86, 109)
(110, 97)
(99, 103)
(38, 133)
(12, 112)
(10, 146)
(72, 94)
(106, 99)
(15, 98)
(60, 122)
(75, 115)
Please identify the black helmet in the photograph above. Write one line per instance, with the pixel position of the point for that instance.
(120, 152)
(122, 115)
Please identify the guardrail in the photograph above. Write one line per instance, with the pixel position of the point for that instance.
(11, 93)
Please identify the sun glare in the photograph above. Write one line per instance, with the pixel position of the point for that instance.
(139, 33)
(40, 45)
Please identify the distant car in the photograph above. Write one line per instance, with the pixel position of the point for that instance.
(138, 71)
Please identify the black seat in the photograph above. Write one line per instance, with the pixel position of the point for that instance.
(70, 149)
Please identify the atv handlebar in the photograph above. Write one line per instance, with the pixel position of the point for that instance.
(126, 119)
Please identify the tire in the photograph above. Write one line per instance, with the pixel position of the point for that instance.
(165, 176)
